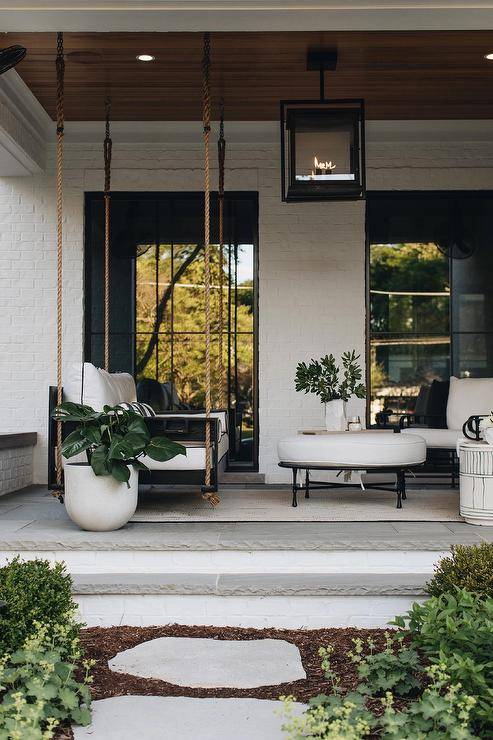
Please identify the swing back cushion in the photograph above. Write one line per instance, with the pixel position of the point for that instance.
(97, 388)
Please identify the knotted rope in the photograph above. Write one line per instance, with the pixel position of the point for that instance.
(107, 146)
(221, 155)
(60, 76)
(206, 115)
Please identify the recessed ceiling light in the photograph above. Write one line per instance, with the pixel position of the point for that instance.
(489, 57)
(145, 57)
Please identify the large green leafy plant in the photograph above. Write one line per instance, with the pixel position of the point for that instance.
(113, 439)
(322, 377)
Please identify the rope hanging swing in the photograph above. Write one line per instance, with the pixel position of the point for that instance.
(60, 122)
(221, 155)
(107, 147)
(207, 494)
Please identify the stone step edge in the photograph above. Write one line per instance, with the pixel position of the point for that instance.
(246, 584)
(197, 540)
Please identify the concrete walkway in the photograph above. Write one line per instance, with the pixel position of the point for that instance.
(184, 718)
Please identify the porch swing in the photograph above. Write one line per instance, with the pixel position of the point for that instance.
(204, 433)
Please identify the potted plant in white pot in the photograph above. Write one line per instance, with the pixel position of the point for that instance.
(322, 377)
(101, 492)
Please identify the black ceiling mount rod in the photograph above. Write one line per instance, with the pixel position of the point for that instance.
(11, 56)
(321, 59)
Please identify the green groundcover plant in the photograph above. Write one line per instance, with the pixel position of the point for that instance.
(38, 685)
(469, 567)
(41, 661)
(434, 679)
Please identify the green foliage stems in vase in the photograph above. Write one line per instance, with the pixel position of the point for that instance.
(321, 377)
(113, 439)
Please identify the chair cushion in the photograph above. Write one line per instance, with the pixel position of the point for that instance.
(358, 449)
(435, 438)
(94, 387)
(468, 397)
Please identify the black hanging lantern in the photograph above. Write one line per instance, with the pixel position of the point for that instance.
(322, 143)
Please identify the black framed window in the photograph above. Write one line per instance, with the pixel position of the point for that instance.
(157, 321)
(430, 292)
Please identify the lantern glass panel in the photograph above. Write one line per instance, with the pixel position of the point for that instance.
(323, 150)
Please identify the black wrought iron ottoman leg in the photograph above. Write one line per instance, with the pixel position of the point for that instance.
(307, 484)
(400, 488)
(295, 487)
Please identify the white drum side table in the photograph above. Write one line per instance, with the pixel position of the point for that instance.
(476, 482)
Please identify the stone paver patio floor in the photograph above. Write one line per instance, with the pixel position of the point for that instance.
(184, 718)
(199, 662)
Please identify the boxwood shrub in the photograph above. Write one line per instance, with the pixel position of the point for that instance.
(33, 591)
(469, 567)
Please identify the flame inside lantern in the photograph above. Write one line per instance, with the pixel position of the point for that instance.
(323, 167)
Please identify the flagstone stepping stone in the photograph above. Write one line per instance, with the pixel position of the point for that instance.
(185, 718)
(205, 663)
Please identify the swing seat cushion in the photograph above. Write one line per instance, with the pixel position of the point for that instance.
(355, 450)
(193, 460)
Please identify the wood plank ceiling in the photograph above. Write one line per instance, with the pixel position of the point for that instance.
(405, 75)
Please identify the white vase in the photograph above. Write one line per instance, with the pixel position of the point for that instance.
(335, 416)
(99, 503)
(488, 435)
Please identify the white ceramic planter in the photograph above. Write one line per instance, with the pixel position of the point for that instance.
(98, 503)
(335, 416)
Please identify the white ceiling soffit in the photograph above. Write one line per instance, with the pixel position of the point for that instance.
(244, 15)
(24, 128)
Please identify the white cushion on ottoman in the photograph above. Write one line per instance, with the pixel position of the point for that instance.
(358, 449)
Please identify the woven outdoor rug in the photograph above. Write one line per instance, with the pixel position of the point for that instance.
(274, 505)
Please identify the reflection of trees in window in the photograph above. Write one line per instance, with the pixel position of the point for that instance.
(170, 322)
(409, 320)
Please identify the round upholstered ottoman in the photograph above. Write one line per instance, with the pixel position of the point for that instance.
(366, 450)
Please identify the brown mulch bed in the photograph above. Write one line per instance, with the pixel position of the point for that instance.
(102, 644)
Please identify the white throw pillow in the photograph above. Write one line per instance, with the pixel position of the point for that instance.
(468, 397)
(96, 388)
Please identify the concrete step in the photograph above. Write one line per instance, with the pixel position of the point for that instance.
(253, 584)
(288, 600)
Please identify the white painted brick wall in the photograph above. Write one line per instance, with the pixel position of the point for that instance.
(294, 612)
(311, 255)
(16, 469)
